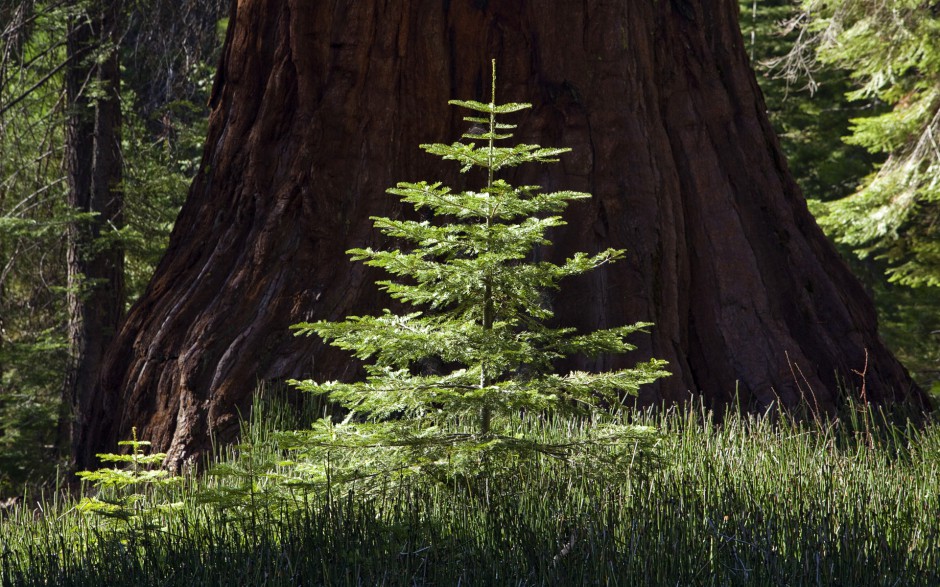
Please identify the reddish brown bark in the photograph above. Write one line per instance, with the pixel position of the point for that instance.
(319, 106)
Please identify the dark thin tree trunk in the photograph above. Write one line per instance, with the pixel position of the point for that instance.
(320, 106)
(95, 258)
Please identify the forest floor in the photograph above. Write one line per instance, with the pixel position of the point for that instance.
(747, 501)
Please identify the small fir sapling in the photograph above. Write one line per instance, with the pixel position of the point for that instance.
(133, 493)
(480, 315)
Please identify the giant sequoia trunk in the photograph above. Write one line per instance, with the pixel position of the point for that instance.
(320, 105)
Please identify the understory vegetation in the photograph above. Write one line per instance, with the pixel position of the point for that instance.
(754, 500)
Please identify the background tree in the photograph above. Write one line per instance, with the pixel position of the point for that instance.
(314, 110)
(33, 219)
(836, 71)
(893, 51)
(94, 168)
(808, 109)
(163, 127)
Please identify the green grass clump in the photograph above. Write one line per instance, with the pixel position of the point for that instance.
(749, 501)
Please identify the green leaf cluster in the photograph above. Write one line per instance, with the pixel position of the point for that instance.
(893, 52)
(805, 102)
(447, 383)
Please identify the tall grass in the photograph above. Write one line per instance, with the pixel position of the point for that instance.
(752, 501)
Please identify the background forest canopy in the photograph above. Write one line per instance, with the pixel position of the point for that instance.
(167, 51)
(852, 87)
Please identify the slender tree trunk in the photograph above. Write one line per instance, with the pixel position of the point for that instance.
(320, 106)
(95, 258)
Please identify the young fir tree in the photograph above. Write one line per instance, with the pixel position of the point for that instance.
(480, 312)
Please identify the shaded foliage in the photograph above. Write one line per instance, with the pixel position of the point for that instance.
(893, 53)
(168, 50)
(809, 114)
(837, 79)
